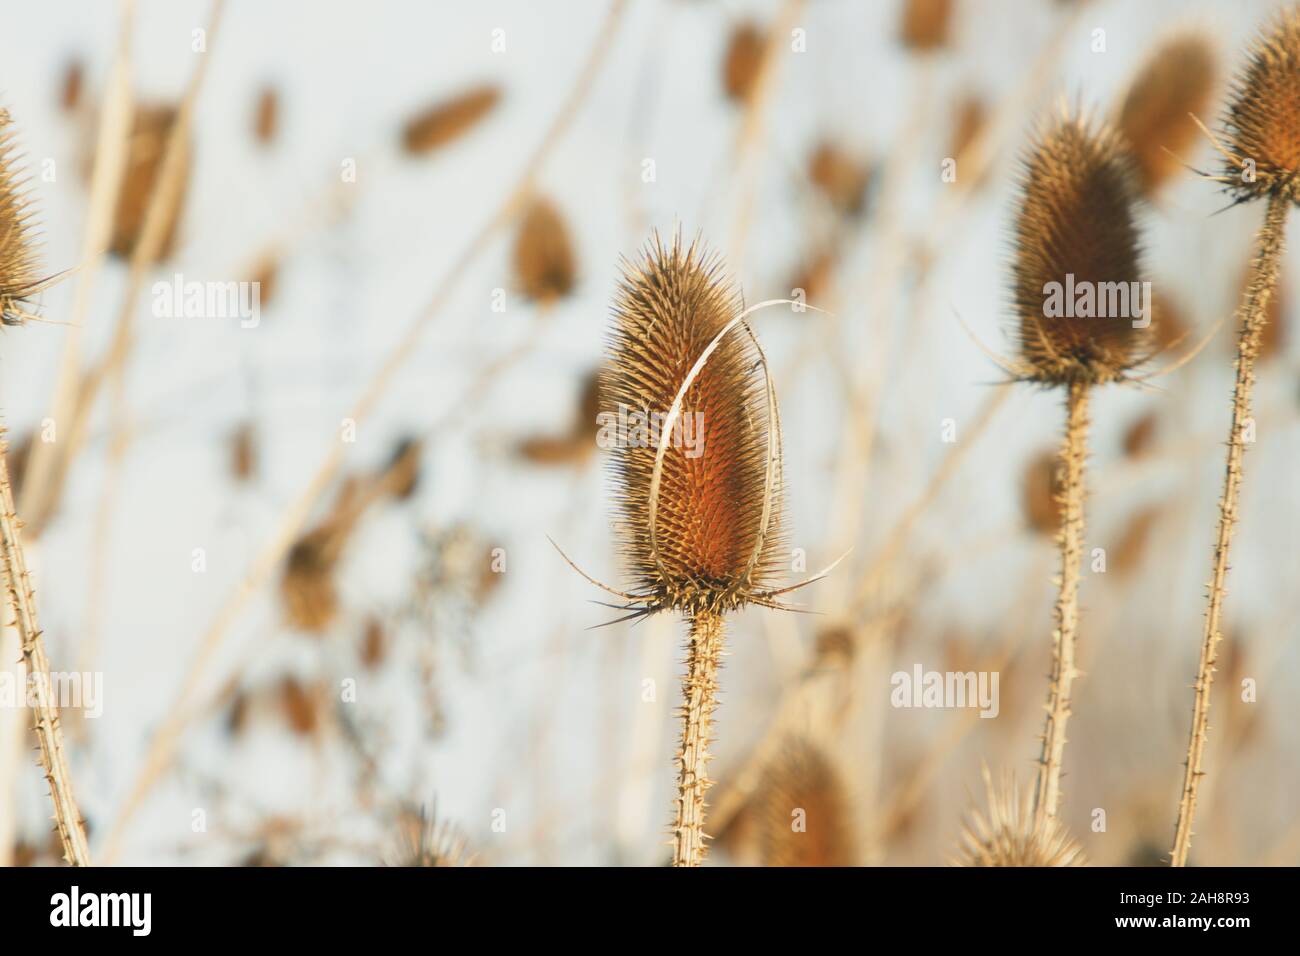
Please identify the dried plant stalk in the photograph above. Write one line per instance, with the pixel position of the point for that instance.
(1262, 153)
(66, 816)
(1255, 310)
(1074, 453)
(699, 697)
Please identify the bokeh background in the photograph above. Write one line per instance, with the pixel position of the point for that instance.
(408, 642)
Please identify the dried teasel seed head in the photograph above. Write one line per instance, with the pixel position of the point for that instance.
(1262, 124)
(1041, 486)
(1077, 273)
(802, 810)
(307, 587)
(150, 129)
(926, 23)
(1128, 554)
(743, 60)
(73, 81)
(266, 115)
(1140, 436)
(544, 260)
(19, 262)
(710, 539)
(839, 177)
(448, 120)
(426, 841)
(1007, 834)
(1177, 80)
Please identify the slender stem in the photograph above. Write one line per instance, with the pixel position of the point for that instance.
(66, 816)
(1263, 281)
(699, 693)
(1074, 452)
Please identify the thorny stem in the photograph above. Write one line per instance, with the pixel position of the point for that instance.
(66, 816)
(1263, 281)
(699, 696)
(1074, 452)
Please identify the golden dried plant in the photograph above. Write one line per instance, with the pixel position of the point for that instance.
(266, 115)
(448, 120)
(1075, 230)
(1174, 84)
(1009, 834)
(1261, 146)
(697, 476)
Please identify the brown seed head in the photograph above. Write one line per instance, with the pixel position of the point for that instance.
(19, 279)
(151, 127)
(743, 61)
(544, 260)
(1177, 80)
(713, 542)
(803, 812)
(1262, 125)
(1007, 836)
(1076, 250)
(1042, 486)
(266, 117)
(448, 120)
(839, 177)
(925, 24)
(70, 92)
(426, 841)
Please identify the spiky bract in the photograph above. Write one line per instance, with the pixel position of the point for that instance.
(1007, 834)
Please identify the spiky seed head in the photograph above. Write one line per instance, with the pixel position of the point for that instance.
(1262, 125)
(803, 812)
(743, 60)
(1177, 80)
(448, 120)
(717, 522)
(1007, 835)
(544, 259)
(19, 263)
(1076, 251)
(925, 24)
(425, 841)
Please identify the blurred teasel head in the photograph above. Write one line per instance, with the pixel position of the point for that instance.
(1007, 835)
(543, 255)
